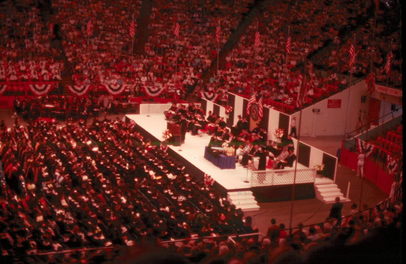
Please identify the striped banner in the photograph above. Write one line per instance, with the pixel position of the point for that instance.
(364, 147)
(153, 90)
(41, 89)
(3, 88)
(79, 89)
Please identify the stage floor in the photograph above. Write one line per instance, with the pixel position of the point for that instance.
(193, 151)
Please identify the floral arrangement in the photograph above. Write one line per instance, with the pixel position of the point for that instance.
(318, 167)
(279, 133)
(166, 134)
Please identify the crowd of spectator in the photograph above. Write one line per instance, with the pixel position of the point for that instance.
(26, 51)
(79, 185)
(99, 46)
(250, 67)
(363, 236)
(71, 107)
(374, 40)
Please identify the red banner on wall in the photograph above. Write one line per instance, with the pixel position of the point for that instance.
(334, 103)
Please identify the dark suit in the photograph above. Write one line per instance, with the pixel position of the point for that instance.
(335, 211)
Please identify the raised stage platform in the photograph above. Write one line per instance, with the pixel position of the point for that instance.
(232, 180)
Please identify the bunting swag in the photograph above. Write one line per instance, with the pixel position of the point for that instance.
(364, 147)
(79, 89)
(153, 90)
(3, 88)
(40, 89)
(210, 96)
(114, 88)
(391, 164)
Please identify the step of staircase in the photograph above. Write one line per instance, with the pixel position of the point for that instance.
(244, 200)
(331, 200)
(327, 191)
(327, 188)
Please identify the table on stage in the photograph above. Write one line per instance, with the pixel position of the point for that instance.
(220, 160)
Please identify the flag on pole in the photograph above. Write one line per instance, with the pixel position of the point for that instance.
(132, 29)
(252, 100)
(260, 108)
(388, 64)
(176, 31)
(370, 81)
(89, 28)
(218, 33)
(257, 41)
(352, 55)
(288, 45)
(301, 93)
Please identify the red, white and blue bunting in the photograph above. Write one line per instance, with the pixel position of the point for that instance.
(3, 88)
(37, 87)
(364, 147)
(209, 95)
(153, 90)
(79, 89)
(41, 89)
(114, 88)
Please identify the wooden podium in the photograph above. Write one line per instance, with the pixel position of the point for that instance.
(176, 133)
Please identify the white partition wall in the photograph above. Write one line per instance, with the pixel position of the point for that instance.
(316, 156)
(273, 123)
(328, 119)
(154, 108)
(238, 108)
(209, 106)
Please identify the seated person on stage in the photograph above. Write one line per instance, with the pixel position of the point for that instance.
(286, 160)
(239, 152)
(215, 141)
(262, 154)
(286, 140)
(228, 150)
(246, 153)
(194, 127)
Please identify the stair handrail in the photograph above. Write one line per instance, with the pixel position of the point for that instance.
(364, 128)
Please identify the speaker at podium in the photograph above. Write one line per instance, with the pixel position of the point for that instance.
(175, 130)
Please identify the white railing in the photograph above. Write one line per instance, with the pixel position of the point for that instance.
(282, 177)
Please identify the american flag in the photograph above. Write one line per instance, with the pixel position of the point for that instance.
(257, 41)
(260, 108)
(176, 31)
(389, 58)
(89, 28)
(352, 55)
(288, 45)
(218, 33)
(251, 101)
(132, 29)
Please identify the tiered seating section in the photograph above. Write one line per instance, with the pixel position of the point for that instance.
(268, 69)
(361, 236)
(373, 41)
(99, 184)
(390, 144)
(26, 52)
